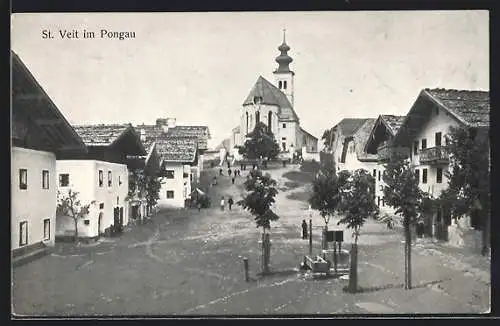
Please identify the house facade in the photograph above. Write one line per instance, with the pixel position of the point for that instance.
(383, 131)
(177, 155)
(424, 132)
(39, 135)
(168, 128)
(101, 178)
(273, 105)
(347, 143)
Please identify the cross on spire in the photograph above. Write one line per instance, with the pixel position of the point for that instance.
(284, 34)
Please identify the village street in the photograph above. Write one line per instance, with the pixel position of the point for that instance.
(189, 263)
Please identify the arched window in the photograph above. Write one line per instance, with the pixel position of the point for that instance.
(280, 84)
(269, 121)
(257, 117)
(284, 84)
(247, 121)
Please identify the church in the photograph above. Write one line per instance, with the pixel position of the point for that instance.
(273, 105)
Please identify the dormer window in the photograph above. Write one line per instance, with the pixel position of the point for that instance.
(257, 99)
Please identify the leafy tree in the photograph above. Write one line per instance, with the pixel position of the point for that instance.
(68, 204)
(147, 186)
(468, 191)
(401, 191)
(357, 205)
(326, 195)
(328, 137)
(261, 193)
(261, 144)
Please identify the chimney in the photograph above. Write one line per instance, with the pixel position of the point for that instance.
(143, 135)
(171, 122)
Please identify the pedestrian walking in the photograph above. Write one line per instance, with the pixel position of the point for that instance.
(230, 202)
(220, 171)
(232, 180)
(420, 227)
(222, 203)
(199, 206)
(304, 229)
(228, 164)
(215, 181)
(229, 172)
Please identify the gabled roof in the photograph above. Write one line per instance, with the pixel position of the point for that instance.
(272, 95)
(472, 108)
(177, 149)
(361, 137)
(393, 122)
(104, 135)
(308, 134)
(468, 108)
(32, 105)
(349, 126)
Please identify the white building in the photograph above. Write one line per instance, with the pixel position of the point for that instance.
(167, 128)
(424, 132)
(347, 144)
(100, 177)
(177, 156)
(39, 135)
(386, 126)
(273, 105)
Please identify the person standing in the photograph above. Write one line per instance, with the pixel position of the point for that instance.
(229, 172)
(232, 180)
(199, 205)
(222, 203)
(228, 164)
(304, 229)
(220, 171)
(230, 202)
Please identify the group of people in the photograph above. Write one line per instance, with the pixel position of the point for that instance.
(230, 203)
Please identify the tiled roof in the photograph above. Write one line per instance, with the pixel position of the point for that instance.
(349, 126)
(393, 121)
(361, 137)
(101, 134)
(271, 95)
(153, 133)
(471, 107)
(177, 149)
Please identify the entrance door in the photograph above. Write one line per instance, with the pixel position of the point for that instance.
(121, 219)
(99, 220)
(116, 218)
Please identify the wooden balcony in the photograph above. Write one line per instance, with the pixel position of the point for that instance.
(434, 155)
(386, 151)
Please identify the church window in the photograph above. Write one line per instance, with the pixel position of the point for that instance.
(247, 121)
(280, 84)
(257, 99)
(284, 84)
(257, 117)
(284, 125)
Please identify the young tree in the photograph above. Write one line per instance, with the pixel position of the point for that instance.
(468, 191)
(152, 185)
(261, 144)
(357, 205)
(258, 201)
(326, 194)
(68, 204)
(401, 191)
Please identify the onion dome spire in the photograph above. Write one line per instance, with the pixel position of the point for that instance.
(283, 59)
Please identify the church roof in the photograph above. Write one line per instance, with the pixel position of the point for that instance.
(271, 95)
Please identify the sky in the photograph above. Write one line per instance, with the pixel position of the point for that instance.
(199, 67)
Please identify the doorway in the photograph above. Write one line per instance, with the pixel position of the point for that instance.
(116, 220)
(99, 224)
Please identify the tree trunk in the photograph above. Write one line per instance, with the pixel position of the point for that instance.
(76, 229)
(265, 253)
(325, 241)
(353, 268)
(407, 256)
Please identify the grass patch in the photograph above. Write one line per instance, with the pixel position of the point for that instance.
(299, 195)
(310, 167)
(303, 177)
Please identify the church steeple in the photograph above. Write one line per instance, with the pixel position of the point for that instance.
(283, 75)
(283, 59)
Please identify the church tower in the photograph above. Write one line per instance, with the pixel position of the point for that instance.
(283, 75)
